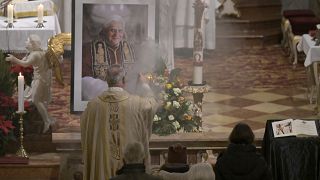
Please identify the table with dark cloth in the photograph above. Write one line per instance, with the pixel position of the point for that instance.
(292, 158)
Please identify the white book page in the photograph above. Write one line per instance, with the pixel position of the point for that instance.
(283, 128)
(303, 127)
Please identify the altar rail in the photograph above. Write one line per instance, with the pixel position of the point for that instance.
(199, 145)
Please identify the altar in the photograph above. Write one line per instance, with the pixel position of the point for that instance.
(13, 39)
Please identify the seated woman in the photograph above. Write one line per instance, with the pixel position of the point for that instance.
(240, 160)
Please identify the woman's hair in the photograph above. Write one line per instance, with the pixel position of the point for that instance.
(201, 171)
(133, 153)
(241, 134)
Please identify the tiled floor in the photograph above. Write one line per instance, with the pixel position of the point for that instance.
(248, 85)
(222, 110)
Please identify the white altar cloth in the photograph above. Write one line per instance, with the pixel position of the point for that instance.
(13, 39)
(29, 8)
(312, 52)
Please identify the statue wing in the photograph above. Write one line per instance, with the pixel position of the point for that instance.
(55, 51)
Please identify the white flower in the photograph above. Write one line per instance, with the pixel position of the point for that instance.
(176, 124)
(171, 117)
(176, 91)
(156, 118)
(176, 104)
(165, 97)
(168, 104)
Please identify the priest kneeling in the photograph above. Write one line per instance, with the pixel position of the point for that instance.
(111, 121)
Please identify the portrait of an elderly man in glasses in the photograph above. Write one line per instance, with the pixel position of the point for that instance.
(116, 49)
(109, 48)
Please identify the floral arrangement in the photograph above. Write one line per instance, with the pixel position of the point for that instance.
(8, 104)
(176, 114)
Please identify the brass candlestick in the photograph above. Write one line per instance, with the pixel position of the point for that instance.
(21, 151)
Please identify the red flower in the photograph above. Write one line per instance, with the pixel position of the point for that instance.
(6, 101)
(5, 125)
(27, 106)
(24, 70)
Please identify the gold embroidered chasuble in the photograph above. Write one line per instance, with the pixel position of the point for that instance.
(108, 123)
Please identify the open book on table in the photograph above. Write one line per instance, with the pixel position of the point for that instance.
(294, 127)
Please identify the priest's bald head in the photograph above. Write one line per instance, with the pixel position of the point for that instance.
(115, 76)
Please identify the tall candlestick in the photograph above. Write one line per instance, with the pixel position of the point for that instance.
(20, 93)
(10, 13)
(199, 7)
(40, 13)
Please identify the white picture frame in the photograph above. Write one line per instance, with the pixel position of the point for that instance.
(128, 9)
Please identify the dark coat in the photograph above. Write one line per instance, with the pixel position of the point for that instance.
(134, 172)
(241, 162)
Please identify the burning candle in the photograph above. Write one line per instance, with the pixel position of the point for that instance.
(40, 13)
(20, 93)
(10, 13)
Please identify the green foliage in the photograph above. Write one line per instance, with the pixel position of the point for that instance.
(7, 82)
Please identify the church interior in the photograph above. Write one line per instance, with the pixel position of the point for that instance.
(257, 67)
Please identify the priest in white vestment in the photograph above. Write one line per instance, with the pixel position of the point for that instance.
(110, 121)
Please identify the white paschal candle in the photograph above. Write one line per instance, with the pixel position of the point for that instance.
(40, 13)
(20, 93)
(10, 13)
(197, 75)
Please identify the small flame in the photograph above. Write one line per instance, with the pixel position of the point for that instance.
(20, 74)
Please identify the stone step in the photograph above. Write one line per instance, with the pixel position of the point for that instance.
(258, 25)
(248, 40)
(237, 26)
(256, 9)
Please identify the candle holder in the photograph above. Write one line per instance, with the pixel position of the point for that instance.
(21, 151)
(9, 24)
(40, 24)
(197, 91)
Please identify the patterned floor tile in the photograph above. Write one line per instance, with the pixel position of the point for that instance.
(309, 107)
(265, 117)
(263, 96)
(287, 91)
(219, 120)
(214, 97)
(268, 107)
(291, 101)
(239, 102)
(253, 124)
(301, 96)
(219, 129)
(297, 113)
(214, 108)
(260, 89)
(234, 92)
(243, 113)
